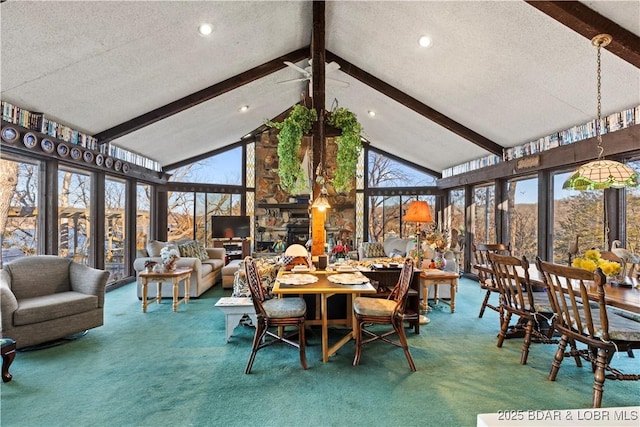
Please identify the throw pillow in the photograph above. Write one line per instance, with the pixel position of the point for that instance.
(202, 252)
(154, 247)
(189, 249)
(373, 250)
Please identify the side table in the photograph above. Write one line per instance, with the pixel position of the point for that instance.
(434, 277)
(176, 276)
(234, 309)
(8, 354)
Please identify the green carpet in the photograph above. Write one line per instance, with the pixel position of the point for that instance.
(175, 369)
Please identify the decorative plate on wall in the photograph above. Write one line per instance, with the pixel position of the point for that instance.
(63, 150)
(10, 134)
(47, 145)
(30, 140)
(87, 156)
(125, 168)
(76, 153)
(108, 162)
(99, 159)
(117, 165)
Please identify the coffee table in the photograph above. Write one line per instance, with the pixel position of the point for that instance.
(176, 276)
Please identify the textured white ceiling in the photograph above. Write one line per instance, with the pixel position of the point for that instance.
(502, 69)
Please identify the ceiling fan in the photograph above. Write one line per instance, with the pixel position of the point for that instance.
(306, 73)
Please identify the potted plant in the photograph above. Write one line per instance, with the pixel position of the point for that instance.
(292, 129)
(296, 125)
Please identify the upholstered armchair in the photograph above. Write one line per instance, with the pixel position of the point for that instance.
(45, 297)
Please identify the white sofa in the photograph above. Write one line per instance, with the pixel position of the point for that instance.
(391, 248)
(206, 272)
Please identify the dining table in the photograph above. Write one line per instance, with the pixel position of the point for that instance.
(625, 297)
(324, 284)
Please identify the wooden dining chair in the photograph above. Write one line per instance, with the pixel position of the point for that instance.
(601, 330)
(389, 311)
(517, 298)
(482, 265)
(277, 312)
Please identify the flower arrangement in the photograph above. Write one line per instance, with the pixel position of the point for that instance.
(340, 251)
(592, 260)
(169, 255)
(437, 239)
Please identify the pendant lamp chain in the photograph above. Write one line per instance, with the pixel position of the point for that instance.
(598, 42)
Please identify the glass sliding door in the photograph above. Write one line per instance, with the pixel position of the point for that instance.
(74, 227)
(523, 217)
(484, 217)
(578, 217)
(19, 207)
(114, 227)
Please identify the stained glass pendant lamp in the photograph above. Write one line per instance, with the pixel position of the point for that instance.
(601, 173)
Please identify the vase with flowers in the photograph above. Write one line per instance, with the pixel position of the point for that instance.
(170, 256)
(592, 260)
(340, 251)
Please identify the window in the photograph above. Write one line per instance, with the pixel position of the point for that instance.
(114, 227)
(523, 217)
(224, 168)
(143, 215)
(633, 214)
(484, 215)
(577, 217)
(19, 193)
(385, 172)
(74, 195)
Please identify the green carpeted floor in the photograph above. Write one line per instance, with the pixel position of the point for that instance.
(175, 369)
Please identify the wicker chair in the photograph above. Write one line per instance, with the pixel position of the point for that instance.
(279, 312)
(517, 298)
(601, 330)
(482, 264)
(389, 311)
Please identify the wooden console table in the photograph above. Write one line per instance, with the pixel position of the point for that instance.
(434, 277)
(175, 277)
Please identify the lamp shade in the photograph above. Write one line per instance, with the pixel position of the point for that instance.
(601, 174)
(322, 201)
(418, 211)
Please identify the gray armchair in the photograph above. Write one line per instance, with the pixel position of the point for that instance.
(45, 297)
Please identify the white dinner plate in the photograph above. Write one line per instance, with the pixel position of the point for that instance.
(298, 279)
(348, 278)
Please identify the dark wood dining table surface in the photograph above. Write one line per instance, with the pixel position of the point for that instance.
(625, 298)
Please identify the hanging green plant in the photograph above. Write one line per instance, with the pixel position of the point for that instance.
(349, 146)
(292, 129)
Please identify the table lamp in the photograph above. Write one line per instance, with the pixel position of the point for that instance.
(419, 212)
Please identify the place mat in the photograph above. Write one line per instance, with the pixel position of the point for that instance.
(348, 278)
(297, 279)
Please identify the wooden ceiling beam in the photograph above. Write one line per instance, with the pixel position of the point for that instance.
(201, 96)
(415, 105)
(589, 23)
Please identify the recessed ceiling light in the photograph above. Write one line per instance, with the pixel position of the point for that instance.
(372, 113)
(243, 108)
(425, 41)
(205, 29)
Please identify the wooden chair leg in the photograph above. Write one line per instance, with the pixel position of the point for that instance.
(356, 359)
(8, 354)
(557, 358)
(303, 354)
(261, 329)
(484, 304)
(398, 326)
(599, 377)
(504, 326)
(527, 342)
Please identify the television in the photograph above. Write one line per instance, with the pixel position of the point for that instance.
(230, 227)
